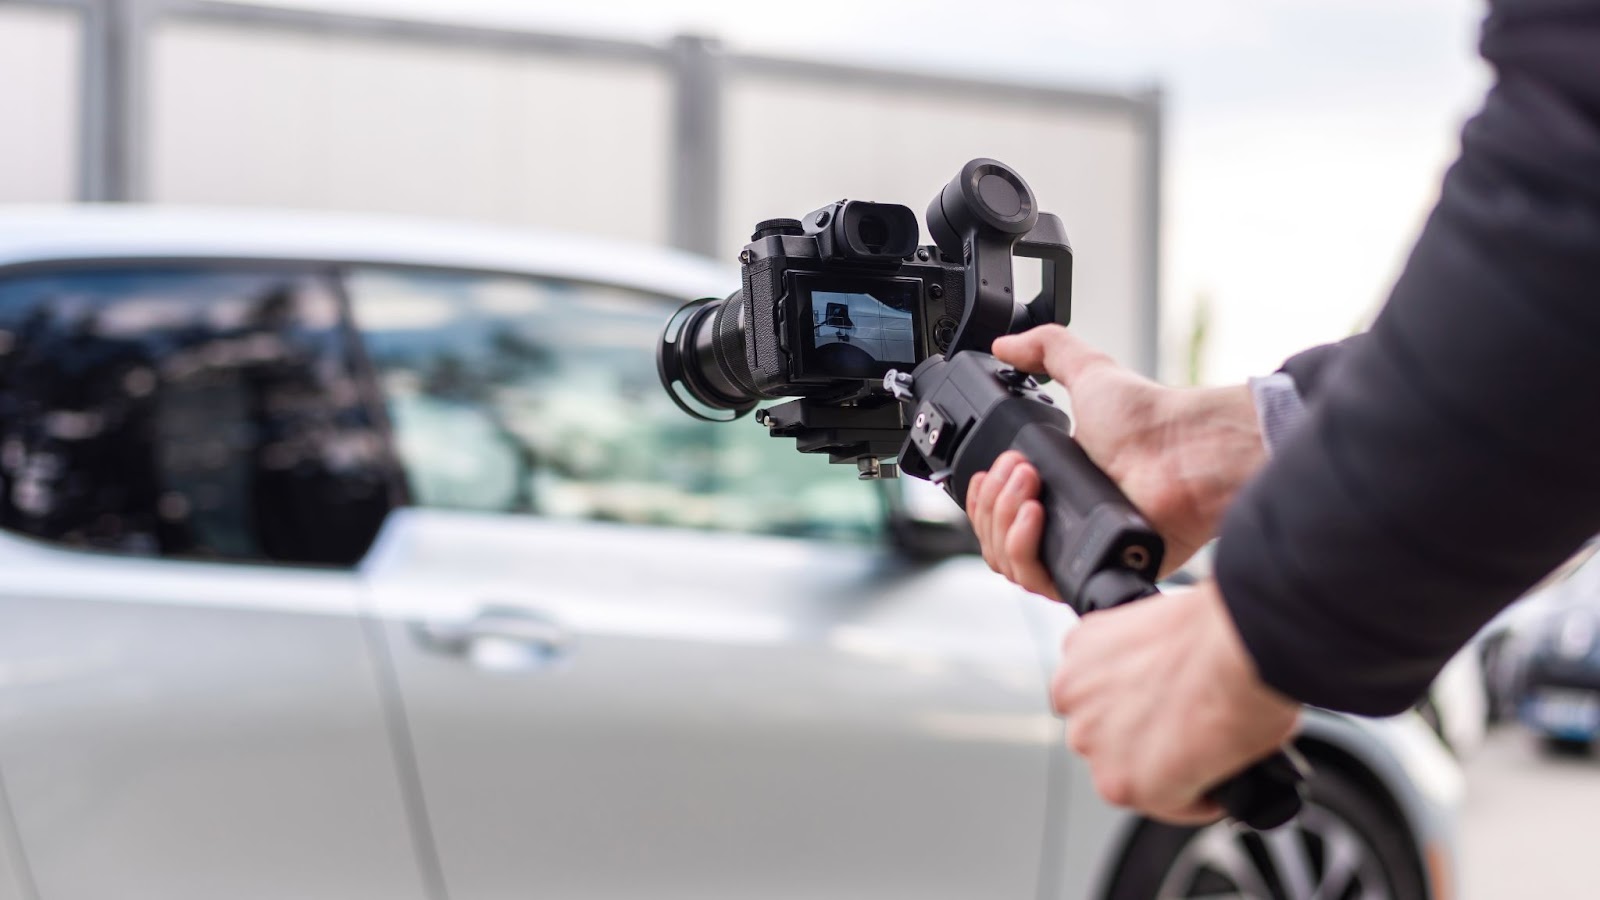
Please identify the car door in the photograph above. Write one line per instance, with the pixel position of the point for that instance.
(646, 656)
(189, 706)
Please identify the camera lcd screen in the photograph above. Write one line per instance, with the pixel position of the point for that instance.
(860, 330)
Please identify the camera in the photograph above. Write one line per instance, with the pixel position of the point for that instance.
(833, 302)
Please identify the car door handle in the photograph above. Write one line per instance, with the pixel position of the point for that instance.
(497, 638)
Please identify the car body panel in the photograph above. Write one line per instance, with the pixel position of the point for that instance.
(129, 231)
(183, 729)
(1461, 700)
(810, 717)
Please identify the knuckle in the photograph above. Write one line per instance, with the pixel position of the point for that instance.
(1115, 786)
(1078, 738)
(1061, 701)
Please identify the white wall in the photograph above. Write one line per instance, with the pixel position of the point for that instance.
(246, 115)
(263, 117)
(39, 63)
(792, 146)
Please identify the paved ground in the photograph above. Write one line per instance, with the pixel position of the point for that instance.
(1531, 827)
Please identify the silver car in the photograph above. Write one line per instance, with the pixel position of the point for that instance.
(349, 558)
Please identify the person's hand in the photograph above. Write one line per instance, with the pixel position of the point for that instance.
(1180, 454)
(1163, 701)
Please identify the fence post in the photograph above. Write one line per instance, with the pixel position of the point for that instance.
(114, 100)
(696, 194)
(1149, 361)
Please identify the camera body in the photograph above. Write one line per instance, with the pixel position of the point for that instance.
(841, 297)
(833, 302)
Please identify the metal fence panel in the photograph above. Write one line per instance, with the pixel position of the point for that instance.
(287, 117)
(797, 139)
(40, 60)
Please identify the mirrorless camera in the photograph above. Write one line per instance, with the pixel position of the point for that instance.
(833, 302)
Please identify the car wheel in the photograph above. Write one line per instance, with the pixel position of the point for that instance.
(1344, 844)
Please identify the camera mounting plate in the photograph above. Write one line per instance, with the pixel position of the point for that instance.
(874, 430)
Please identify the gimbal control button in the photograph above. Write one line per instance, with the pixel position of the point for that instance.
(1013, 377)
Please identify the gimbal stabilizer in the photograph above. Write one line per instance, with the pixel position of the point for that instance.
(965, 408)
(834, 310)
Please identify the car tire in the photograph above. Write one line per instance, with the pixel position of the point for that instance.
(1165, 862)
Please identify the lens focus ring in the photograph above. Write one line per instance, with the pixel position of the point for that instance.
(728, 347)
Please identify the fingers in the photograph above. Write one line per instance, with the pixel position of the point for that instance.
(1020, 486)
(975, 514)
(982, 494)
(1052, 349)
(1022, 547)
(1200, 812)
(1009, 522)
(1118, 782)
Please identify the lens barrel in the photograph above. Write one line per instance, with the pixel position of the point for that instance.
(702, 362)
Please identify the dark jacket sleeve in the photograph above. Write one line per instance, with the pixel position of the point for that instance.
(1452, 455)
(1309, 368)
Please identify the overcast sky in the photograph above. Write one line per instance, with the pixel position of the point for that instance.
(1305, 138)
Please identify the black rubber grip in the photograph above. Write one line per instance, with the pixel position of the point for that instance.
(1267, 794)
(1090, 525)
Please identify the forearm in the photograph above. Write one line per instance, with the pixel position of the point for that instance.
(1447, 462)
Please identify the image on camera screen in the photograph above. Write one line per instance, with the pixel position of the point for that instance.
(859, 334)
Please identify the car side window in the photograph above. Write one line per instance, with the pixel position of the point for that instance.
(186, 411)
(540, 395)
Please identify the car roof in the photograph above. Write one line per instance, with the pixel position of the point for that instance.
(33, 234)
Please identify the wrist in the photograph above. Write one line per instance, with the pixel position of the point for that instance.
(1231, 659)
(1219, 446)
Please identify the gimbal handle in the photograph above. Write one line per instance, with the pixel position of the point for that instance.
(967, 409)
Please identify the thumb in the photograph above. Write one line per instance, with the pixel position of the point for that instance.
(1052, 349)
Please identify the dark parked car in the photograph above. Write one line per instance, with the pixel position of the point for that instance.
(1552, 662)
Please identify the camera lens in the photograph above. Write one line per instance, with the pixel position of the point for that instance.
(702, 361)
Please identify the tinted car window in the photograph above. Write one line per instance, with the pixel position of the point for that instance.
(517, 394)
(186, 412)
